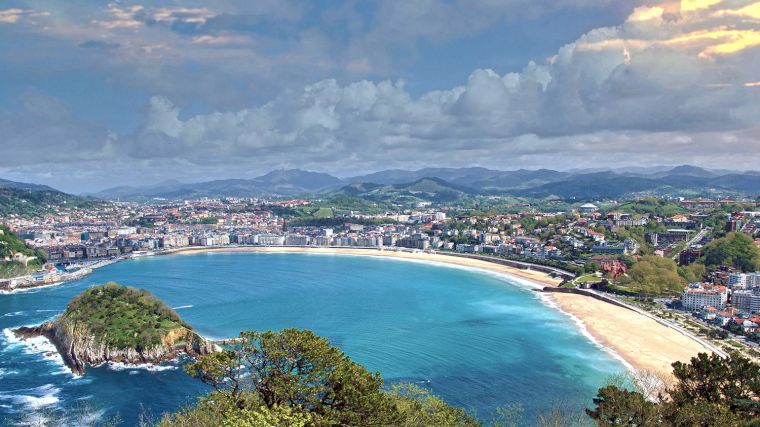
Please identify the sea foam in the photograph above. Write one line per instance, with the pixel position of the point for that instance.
(33, 398)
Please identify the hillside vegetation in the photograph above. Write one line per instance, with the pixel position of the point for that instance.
(11, 244)
(736, 250)
(295, 378)
(122, 317)
(30, 203)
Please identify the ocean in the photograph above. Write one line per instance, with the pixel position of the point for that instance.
(478, 340)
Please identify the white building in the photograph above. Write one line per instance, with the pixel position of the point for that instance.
(296, 240)
(698, 295)
(467, 249)
(270, 240)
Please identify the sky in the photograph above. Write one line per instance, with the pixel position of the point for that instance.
(96, 94)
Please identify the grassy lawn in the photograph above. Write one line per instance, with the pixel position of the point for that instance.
(589, 278)
(323, 213)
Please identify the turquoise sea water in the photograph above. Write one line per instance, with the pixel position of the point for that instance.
(478, 340)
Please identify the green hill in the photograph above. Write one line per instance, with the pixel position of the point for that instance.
(37, 202)
(11, 244)
(122, 317)
(114, 323)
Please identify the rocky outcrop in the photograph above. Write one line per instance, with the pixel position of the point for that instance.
(80, 348)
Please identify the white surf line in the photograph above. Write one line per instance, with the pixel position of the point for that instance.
(580, 326)
(514, 280)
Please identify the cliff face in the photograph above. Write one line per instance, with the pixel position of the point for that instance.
(79, 348)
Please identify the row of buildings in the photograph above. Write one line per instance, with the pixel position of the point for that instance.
(742, 294)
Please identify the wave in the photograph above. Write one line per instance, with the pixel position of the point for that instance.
(10, 338)
(181, 307)
(580, 326)
(33, 398)
(14, 314)
(118, 366)
(38, 346)
(31, 290)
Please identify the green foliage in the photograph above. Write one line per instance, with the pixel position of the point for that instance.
(341, 204)
(209, 220)
(322, 213)
(27, 203)
(122, 317)
(712, 379)
(652, 206)
(295, 378)
(654, 275)
(591, 266)
(619, 407)
(10, 244)
(697, 414)
(298, 370)
(736, 249)
(330, 222)
(419, 408)
(709, 391)
(218, 410)
(693, 273)
(16, 269)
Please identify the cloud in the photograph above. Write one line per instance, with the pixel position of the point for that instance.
(15, 15)
(635, 78)
(10, 16)
(122, 17)
(673, 83)
(45, 131)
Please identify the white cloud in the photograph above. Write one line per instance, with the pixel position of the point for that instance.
(671, 84)
(628, 81)
(15, 15)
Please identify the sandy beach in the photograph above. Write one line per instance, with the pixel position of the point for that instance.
(639, 340)
(536, 277)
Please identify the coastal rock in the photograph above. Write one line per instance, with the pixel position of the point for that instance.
(79, 350)
(76, 339)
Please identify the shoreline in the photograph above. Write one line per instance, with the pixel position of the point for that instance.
(536, 278)
(638, 342)
(63, 278)
(642, 342)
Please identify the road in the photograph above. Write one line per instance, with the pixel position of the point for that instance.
(695, 239)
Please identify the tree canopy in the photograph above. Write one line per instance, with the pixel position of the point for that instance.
(709, 391)
(122, 317)
(736, 250)
(294, 377)
(655, 275)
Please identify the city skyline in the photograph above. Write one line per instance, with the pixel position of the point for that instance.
(141, 92)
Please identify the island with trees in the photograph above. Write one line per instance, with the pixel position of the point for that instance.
(115, 323)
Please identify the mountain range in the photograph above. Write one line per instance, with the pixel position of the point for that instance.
(448, 184)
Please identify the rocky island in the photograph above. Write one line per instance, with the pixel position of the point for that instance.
(115, 323)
